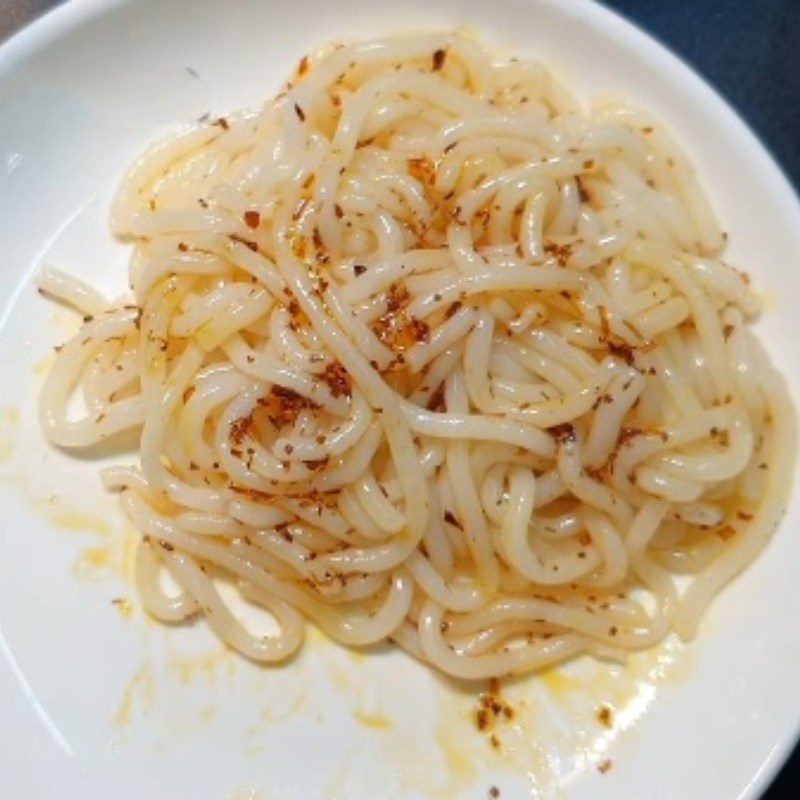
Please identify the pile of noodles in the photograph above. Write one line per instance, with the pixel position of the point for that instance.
(426, 352)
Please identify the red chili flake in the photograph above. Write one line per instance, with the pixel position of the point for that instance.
(240, 428)
(301, 207)
(234, 237)
(451, 519)
(418, 330)
(286, 534)
(391, 327)
(183, 247)
(562, 252)
(337, 379)
(623, 351)
(397, 298)
(283, 405)
(452, 309)
(583, 192)
(563, 433)
(628, 433)
(423, 169)
(726, 532)
(252, 219)
(720, 436)
(605, 716)
(437, 401)
(251, 494)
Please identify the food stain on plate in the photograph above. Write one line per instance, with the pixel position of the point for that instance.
(113, 550)
(42, 367)
(542, 730)
(546, 728)
(178, 691)
(123, 605)
(138, 696)
(9, 430)
(111, 554)
(207, 667)
(113, 557)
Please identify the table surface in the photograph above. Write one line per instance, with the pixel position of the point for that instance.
(748, 51)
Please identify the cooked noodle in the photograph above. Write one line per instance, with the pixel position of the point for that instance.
(427, 352)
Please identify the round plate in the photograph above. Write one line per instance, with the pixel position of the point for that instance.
(99, 701)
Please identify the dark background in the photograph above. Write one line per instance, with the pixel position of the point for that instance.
(749, 50)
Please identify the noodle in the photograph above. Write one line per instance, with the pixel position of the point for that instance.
(426, 352)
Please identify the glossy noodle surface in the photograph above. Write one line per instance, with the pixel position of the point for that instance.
(428, 351)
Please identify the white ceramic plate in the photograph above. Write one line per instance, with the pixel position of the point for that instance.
(97, 702)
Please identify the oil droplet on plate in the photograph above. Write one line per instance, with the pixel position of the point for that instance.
(376, 722)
